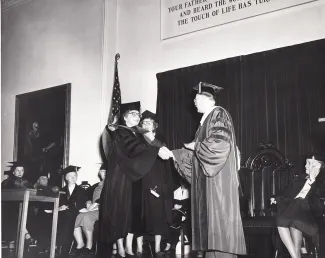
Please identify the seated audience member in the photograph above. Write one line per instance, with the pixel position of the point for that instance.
(16, 177)
(70, 204)
(180, 213)
(42, 183)
(10, 211)
(85, 220)
(43, 235)
(294, 216)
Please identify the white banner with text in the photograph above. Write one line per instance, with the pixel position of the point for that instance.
(180, 17)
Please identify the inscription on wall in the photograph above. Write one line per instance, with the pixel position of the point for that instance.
(179, 17)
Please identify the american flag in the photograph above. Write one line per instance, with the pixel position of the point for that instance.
(114, 115)
(116, 97)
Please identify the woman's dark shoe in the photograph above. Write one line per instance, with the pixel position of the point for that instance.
(87, 251)
(129, 255)
(77, 251)
(139, 255)
(160, 255)
(167, 251)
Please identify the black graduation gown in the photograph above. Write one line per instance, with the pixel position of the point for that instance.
(75, 202)
(129, 158)
(157, 211)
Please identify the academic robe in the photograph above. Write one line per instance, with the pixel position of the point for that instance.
(211, 169)
(66, 219)
(75, 201)
(129, 158)
(156, 211)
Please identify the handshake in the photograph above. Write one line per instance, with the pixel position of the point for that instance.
(164, 153)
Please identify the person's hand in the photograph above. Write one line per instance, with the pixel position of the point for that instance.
(111, 128)
(63, 208)
(171, 155)
(189, 146)
(164, 153)
(88, 203)
(314, 167)
(272, 201)
(92, 206)
(150, 136)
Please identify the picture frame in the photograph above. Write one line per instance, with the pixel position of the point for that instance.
(42, 132)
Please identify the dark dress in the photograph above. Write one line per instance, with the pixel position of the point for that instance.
(75, 202)
(157, 211)
(296, 213)
(129, 158)
(10, 210)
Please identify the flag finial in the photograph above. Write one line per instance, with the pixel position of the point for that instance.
(117, 56)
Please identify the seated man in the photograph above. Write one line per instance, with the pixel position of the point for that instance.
(86, 219)
(294, 216)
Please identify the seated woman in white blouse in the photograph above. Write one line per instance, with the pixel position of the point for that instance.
(86, 219)
(294, 216)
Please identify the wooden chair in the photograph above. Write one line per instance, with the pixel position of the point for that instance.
(265, 174)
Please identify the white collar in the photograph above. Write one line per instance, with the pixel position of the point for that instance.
(205, 115)
(71, 188)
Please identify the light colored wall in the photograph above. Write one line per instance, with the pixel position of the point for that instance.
(143, 54)
(47, 43)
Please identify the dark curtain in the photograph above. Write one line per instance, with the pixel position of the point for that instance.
(275, 96)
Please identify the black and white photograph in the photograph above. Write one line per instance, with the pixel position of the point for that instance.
(162, 129)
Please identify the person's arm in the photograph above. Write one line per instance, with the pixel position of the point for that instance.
(7, 184)
(183, 162)
(134, 156)
(213, 151)
(81, 198)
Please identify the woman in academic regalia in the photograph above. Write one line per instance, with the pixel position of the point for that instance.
(294, 216)
(157, 190)
(129, 158)
(69, 206)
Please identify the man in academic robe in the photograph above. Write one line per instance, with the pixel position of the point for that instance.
(128, 159)
(209, 164)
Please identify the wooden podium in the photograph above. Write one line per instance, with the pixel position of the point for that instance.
(24, 196)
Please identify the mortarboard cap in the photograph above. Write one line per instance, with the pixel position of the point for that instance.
(14, 164)
(130, 106)
(69, 169)
(103, 167)
(204, 87)
(147, 114)
(8, 172)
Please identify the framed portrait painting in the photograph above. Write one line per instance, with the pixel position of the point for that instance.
(42, 127)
